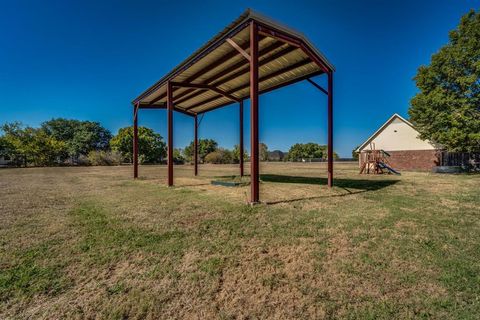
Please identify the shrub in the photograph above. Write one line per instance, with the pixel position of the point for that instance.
(105, 158)
(83, 160)
(219, 156)
(178, 157)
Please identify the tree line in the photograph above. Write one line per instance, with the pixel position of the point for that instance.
(209, 152)
(73, 142)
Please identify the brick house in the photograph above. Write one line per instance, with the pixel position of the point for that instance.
(400, 139)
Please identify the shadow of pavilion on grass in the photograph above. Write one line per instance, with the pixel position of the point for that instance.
(350, 186)
(358, 184)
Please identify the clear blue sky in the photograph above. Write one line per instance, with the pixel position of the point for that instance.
(88, 59)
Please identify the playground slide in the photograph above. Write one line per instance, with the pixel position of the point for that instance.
(385, 166)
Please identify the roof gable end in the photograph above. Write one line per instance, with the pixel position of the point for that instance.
(383, 127)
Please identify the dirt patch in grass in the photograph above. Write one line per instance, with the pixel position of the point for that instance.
(264, 277)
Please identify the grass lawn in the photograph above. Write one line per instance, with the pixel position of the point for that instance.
(91, 242)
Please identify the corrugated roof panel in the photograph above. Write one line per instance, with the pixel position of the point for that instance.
(198, 98)
(288, 76)
(235, 83)
(207, 106)
(215, 55)
(155, 94)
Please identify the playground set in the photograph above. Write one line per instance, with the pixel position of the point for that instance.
(376, 162)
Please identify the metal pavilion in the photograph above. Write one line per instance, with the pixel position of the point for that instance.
(253, 55)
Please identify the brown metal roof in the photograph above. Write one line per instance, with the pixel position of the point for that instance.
(219, 74)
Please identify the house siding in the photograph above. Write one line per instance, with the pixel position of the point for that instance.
(414, 160)
(398, 135)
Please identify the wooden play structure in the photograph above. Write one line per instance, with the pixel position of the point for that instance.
(375, 161)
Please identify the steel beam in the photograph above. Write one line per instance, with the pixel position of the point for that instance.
(240, 145)
(153, 106)
(265, 31)
(239, 49)
(254, 156)
(316, 85)
(330, 129)
(195, 147)
(225, 94)
(170, 133)
(135, 141)
(164, 106)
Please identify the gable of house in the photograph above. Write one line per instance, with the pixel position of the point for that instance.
(397, 134)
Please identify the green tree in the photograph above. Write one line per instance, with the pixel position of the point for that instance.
(151, 147)
(205, 146)
(447, 108)
(80, 137)
(7, 150)
(236, 154)
(263, 151)
(309, 150)
(6, 147)
(60, 128)
(37, 145)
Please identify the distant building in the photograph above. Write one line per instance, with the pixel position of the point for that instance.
(401, 140)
